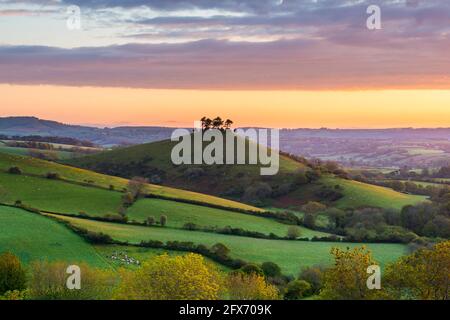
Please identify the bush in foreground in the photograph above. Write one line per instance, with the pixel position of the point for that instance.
(186, 277)
(12, 273)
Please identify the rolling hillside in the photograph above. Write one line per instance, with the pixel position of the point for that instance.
(34, 237)
(32, 166)
(290, 255)
(153, 161)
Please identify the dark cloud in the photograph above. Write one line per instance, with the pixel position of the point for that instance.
(229, 65)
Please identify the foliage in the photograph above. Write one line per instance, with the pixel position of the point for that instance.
(297, 289)
(250, 287)
(48, 282)
(186, 277)
(347, 279)
(293, 232)
(271, 269)
(423, 275)
(252, 268)
(314, 276)
(12, 273)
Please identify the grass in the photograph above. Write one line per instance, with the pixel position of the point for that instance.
(290, 255)
(57, 196)
(34, 237)
(148, 159)
(179, 213)
(357, 194)
(41, 167)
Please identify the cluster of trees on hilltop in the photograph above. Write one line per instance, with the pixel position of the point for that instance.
(216, 123)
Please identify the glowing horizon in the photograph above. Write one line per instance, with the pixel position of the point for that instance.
(370, 109)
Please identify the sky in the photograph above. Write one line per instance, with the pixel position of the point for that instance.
(276, 63)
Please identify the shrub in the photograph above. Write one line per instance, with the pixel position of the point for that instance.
(48, 282)
(12, 273)
(14, 170)
(150, 221)
(293, 232)
(250, 287)
(220, 250)
(163, 220)
(271, 269)
(297, 289)
(314, 276)
(252, 269)
(186, 277)
(53, 175)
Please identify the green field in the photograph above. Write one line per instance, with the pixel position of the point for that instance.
(34, 237)
(58, 196)
(179, 213)
(39, 167)
(290, 255)
(357, 194)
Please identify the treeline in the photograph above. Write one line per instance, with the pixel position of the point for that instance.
(429, 219)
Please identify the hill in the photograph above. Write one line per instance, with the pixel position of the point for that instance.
(296, 183)
(24, 126)
(40, 168)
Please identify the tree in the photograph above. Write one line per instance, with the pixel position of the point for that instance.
(250, 287)
(12, 273)
(293, 232)
(15, 170)
(297, 289)
(347, 279)
(186, 277)
(252, 268)
(48, 281)
(220, 250)
(313, 207)
(314, 276)
(309, 220)
(423, 275)
(135, 186)
(217, 123)
(271, 269)
(228, 124)
(163, 220)
(151, 221)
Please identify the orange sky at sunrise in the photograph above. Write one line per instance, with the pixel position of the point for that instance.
(333, 109)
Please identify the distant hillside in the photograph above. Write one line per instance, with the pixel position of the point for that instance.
(296, 183)
(25, 126)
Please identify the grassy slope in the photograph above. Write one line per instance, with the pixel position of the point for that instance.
(357, 194)
(148, 157)
(40, 167)
(290, 255)
(178, 215)
(34, 237)
(58, 196)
